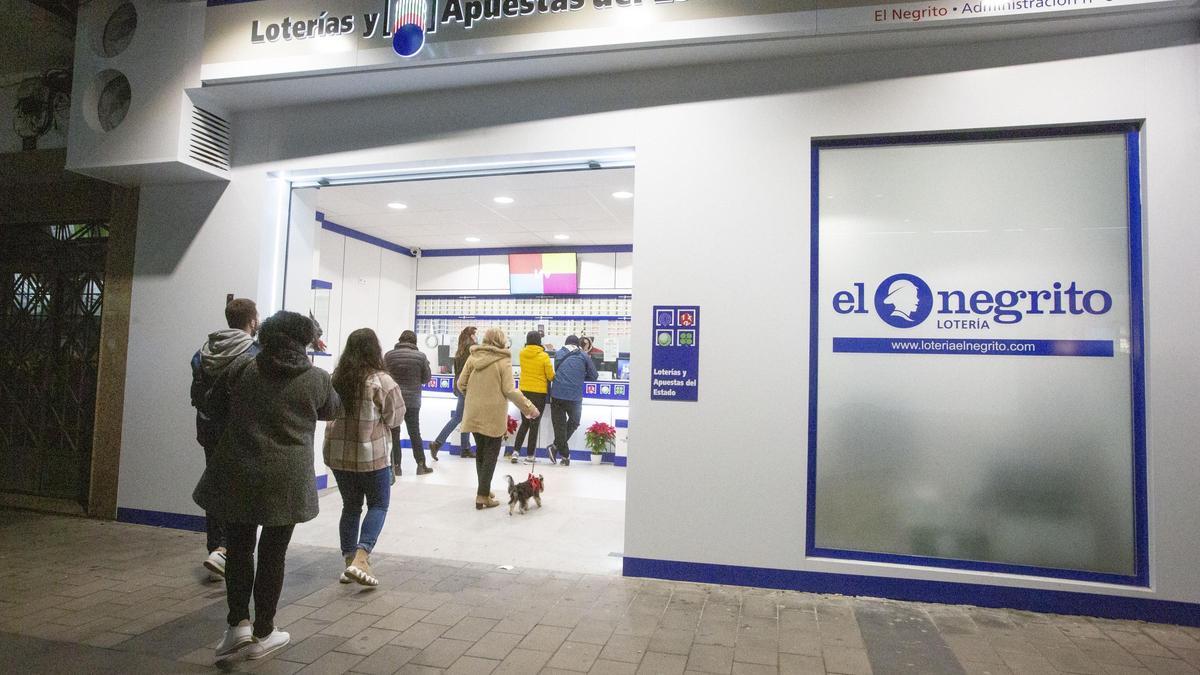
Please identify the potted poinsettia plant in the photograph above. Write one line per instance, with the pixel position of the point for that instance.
(600, 438)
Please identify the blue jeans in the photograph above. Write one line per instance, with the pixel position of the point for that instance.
(455, 418)
(376, 487)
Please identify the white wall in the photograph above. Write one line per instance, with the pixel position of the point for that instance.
(718, 180)
(488, 274)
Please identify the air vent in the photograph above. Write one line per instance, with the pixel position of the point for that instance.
(209, 140)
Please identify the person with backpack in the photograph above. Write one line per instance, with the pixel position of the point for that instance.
(409, 367)
(261, 473)
(356, 448)
(222, 349)
(572, 366)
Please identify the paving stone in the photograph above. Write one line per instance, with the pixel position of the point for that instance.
(448, 614)
(576, 656)
(973, 668)
(302, 628)
(1163, 666)
(522, 662)
(472, 665)
(470, 628)
(847, 660)
(335, 610)
(495, 645)
(386, 660)
(333, 663)
(672, 641)
(602, 667)
(710, 659)
(350, 625)
(1070, 660)
(420, 635)
(627, 648)
(753, 669)
(310, 649)
(441, 653)
(401, 619)
(592, 632)
(367, 641)
(799, 664)
(659, 663)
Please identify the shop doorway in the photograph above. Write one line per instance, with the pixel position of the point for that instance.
(438, 255)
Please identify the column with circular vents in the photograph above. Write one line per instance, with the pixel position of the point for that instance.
(132, 119)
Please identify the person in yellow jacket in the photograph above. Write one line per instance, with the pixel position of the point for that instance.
(537, 371)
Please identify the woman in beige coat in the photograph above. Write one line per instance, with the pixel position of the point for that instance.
(487, 385)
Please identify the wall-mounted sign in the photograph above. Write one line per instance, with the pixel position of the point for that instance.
(975, 389)
(247, 39)
(675, 353)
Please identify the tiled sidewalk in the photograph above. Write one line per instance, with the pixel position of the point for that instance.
(82, 596)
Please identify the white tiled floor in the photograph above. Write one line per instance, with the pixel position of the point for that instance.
(580, 525)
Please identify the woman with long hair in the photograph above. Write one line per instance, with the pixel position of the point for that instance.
(356, 448)
(487, 385)
(466, 340)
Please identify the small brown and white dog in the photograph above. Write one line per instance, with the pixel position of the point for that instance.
(520, 493)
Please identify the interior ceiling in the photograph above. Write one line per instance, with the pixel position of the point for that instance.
(441, 214)
(35, 39)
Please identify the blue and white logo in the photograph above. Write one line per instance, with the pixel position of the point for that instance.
(408, 36)
(903, 300)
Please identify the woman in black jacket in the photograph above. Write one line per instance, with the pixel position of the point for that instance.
(466, 339)
(261, 473)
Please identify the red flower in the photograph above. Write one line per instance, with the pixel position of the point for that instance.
(512, 425)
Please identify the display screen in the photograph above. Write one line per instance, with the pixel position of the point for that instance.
(543, 274)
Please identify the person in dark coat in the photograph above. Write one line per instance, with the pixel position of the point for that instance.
(572, 366)
(409, 367)
(261, 473)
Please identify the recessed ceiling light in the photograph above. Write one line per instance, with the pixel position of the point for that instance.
(504, 200)
(397, 205)
(473, 240)
(562, 237)
(623, 194)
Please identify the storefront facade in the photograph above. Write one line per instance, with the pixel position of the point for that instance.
(728, 152)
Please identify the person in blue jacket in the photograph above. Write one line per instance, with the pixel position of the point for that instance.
(572, 367)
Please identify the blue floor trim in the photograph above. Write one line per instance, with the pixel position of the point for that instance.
(1056, 602)
(322, 481)
(176, 521)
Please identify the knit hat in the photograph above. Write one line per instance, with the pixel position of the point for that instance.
(573, 340)
(533, 338)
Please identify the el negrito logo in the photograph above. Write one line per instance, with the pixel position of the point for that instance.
(906, 301)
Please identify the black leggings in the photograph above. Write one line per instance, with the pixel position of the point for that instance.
(242, 579)
(530, 425)
(487, 451)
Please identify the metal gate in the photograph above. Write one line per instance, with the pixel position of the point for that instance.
(51, 292)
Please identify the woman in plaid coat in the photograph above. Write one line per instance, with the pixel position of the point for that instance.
(356, 448)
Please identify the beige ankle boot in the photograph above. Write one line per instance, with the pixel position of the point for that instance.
(345, 578)
(360, 569)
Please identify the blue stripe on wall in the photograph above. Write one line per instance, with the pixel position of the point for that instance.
(177, 521)
(1057, 602)
(352, 233)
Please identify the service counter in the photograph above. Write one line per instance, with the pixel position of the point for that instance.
(603, 401)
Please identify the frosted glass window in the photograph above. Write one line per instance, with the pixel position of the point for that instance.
(964, 427)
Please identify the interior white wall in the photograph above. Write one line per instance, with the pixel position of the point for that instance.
(707, 213)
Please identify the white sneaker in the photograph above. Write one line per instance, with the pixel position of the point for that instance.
(215, 564)
(269, 645)
(235, 639)
(531, 460)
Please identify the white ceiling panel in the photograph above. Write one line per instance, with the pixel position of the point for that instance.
(441, 214)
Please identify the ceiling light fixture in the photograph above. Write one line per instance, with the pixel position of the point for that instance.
(474, 240)
(623, 194)
(562, 237)
(504, 200)
(399, 206)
